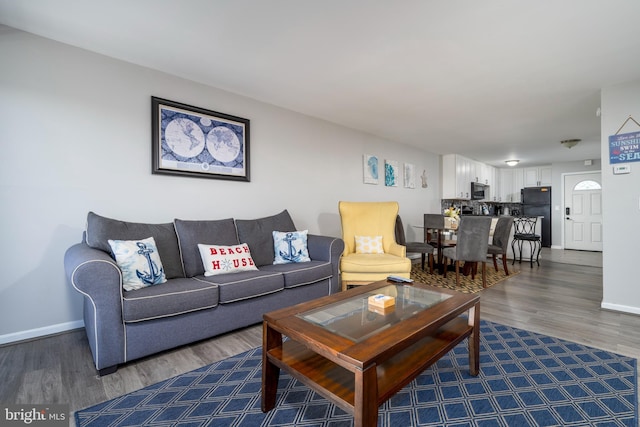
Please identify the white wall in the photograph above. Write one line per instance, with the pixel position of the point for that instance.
(621, 204)
(76, 136)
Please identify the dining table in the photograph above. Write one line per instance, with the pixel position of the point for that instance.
(437, 237)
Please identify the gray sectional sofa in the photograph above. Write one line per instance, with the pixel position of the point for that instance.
(125, 325)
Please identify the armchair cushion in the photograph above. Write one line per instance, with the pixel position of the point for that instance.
(375, 263)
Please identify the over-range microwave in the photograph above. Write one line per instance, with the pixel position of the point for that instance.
(479, 191)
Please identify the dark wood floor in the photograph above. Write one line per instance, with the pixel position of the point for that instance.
(561, 300)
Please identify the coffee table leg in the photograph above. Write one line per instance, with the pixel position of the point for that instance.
(365, 406)
(474, 340)
(270, 372)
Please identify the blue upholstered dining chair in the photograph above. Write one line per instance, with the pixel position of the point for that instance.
(471, 246)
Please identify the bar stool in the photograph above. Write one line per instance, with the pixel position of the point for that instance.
(525, 231)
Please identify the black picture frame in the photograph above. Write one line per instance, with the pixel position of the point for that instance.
(196, 142)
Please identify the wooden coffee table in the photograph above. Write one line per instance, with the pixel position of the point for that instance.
(358, 356)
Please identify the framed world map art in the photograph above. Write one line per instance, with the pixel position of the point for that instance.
(192, 141)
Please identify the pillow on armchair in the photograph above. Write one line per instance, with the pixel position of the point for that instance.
(369, 245)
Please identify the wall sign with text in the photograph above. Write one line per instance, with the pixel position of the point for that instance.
(624, 148)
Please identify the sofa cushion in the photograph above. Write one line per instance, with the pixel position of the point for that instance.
(174, 297)
(245, 285)
(290, 246)
(300, 274)
(226, 259)
(257, 233)
(139, 262)
(190, 233)
(100, 229)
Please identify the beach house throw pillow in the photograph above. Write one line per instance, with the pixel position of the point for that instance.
(219, 259)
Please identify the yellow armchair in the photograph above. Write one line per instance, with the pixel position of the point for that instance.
(371, 219)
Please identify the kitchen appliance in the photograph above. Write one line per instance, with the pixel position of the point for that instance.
(479, 191)
(536, 201)
(466, 210)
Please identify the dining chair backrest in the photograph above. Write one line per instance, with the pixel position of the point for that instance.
(473, 238)
(433, 221)
(525, 226)
(400, 237)
(501, 232)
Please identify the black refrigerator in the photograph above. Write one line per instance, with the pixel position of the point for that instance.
(536, 201)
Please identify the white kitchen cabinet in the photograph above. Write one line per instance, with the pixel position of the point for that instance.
(490, 176)
(485, 174)
(518, 184)
(545, 175)
(537, 176)
(511, 182)
(457, 174)
(496, 188)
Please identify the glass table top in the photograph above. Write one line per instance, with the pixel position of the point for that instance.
(357, 320)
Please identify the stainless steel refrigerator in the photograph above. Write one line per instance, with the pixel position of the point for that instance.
(536, 201)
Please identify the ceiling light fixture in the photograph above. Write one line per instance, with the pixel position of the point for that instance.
(570, 142)
(512, 162)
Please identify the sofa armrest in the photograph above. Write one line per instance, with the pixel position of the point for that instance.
(94, 274)
(324, 248)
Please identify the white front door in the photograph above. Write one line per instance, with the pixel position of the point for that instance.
(583, 212)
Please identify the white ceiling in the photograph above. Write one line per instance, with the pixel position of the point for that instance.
(490, 79)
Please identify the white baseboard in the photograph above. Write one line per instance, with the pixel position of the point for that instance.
(40, 332)
(556, 247)
(618, 307)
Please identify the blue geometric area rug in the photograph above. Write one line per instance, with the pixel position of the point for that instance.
(526, 379)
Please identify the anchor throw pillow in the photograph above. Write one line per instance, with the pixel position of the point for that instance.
(290, 246)
(139, 261)
(226, 259)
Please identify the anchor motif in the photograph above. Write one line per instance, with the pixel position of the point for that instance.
(292, 256)
(152, 277)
